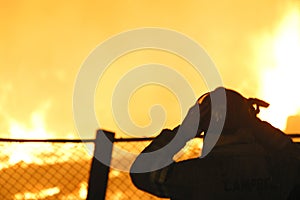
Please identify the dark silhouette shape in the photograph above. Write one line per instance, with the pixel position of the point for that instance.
(251, 159)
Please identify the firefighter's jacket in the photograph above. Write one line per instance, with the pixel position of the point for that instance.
(257, 162)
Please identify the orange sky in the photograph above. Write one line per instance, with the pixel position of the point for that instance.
(43, 44)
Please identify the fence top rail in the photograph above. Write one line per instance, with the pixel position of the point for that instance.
(74, 140)
(151, 138)
(93, 140)
(48, 140)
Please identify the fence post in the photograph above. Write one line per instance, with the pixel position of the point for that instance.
(99, 171)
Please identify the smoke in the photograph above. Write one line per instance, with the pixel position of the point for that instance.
(43, 44)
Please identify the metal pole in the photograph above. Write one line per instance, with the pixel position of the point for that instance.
(100, 165)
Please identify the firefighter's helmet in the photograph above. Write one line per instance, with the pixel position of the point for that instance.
(236, 111)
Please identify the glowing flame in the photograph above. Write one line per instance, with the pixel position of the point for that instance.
(191, 150)
(38, 130)
(42, 194)
(33, 152)
(281, 79)
(118, 195)
(28, 152)
(83, 190)
(40, 153)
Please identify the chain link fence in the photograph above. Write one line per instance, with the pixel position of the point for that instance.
(120, 186)
(119, 183)
(44, 170)
(59, 170)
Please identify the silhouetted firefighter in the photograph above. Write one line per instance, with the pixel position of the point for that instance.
(251, 159)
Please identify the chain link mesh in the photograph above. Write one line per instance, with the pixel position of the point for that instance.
(120, 186)
(40, 170)
(60, 171)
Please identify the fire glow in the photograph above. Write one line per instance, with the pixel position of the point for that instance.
(31, 152)
(278, 57)
(280, 79)
(39, 157)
